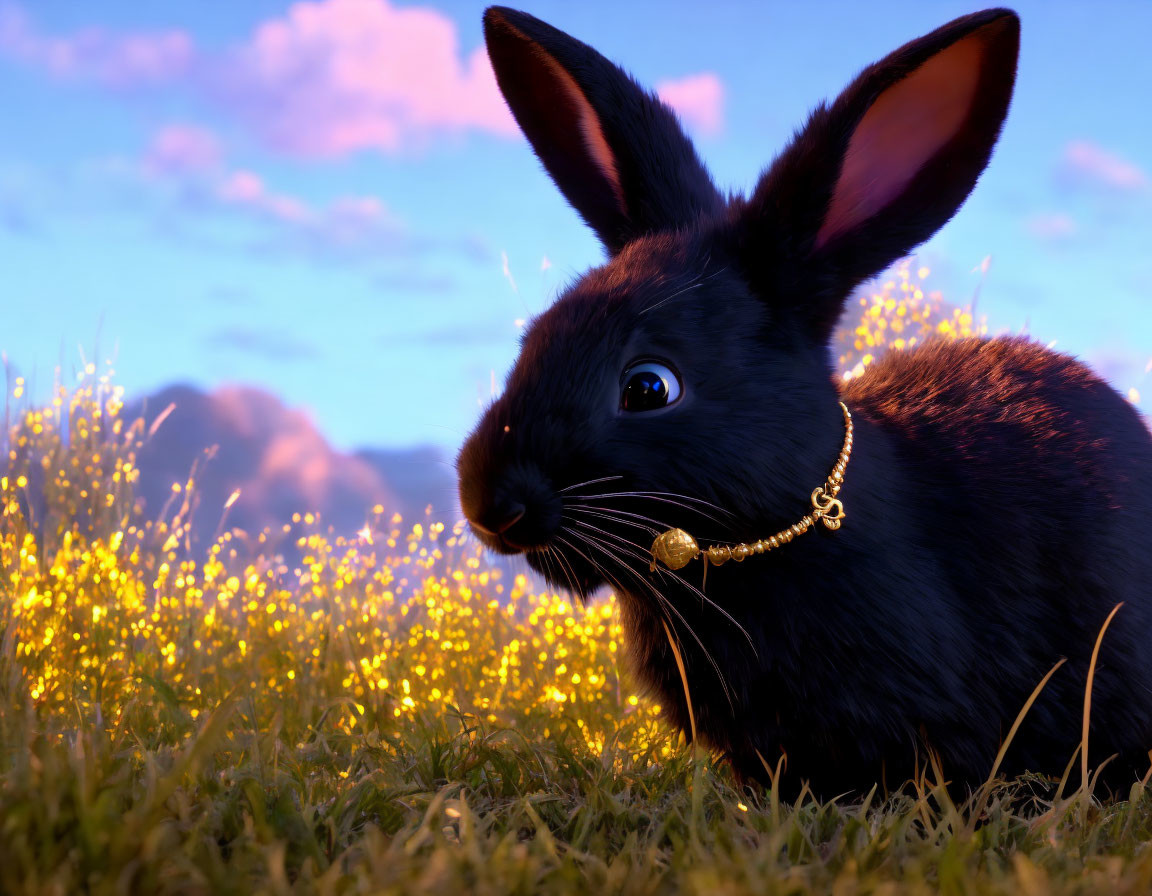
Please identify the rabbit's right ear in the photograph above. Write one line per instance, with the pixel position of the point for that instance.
(877, 173)
(615, 151)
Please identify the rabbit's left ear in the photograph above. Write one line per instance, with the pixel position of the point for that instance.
(883, 168)
(615, 151)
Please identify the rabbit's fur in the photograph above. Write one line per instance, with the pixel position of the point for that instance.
(997, 496)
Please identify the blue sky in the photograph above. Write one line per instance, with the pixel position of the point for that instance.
(318, 198)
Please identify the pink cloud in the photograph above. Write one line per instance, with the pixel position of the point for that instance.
(347, 223)
(117, 59)
(325, 79)
(336, 76)
(183, 149)
(332, 77)
(1090, 164)
(243, 187)
(272, 455)
(697, 99)
(192, 160)
(1051, 227)
(247, 190)
(366, 209)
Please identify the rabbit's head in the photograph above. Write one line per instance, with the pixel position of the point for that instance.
(687, 381)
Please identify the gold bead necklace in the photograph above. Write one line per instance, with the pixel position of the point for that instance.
(676, 548)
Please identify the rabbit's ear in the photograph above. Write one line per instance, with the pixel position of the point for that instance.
(615, 151)
(884, 167)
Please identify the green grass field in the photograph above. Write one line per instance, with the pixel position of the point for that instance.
(393, 715)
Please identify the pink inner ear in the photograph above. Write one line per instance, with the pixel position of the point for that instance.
(598, 150)
(903, 129)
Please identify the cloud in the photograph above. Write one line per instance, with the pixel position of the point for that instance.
(278, 461)
(1088, 164)
(130, 59)
(245, 189)
(697, 99)
(1054, 227)
(181, 149)
(190, 162)
(326, 79)
(337, 76)
(269, 343)
(346, 225)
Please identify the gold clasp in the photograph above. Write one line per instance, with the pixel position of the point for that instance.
(829, 509)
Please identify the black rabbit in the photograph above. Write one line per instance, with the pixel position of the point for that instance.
(997, 497)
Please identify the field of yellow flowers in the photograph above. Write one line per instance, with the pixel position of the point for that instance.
(394, 714)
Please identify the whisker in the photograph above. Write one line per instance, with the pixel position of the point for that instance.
(691, 283)
(592, 541)
(596, 566)
(569, 572)
(547, 558)
(696, 284)
(693, 498)
(567, 561)
(613, 513)
(636, 551)
(706, 599)
(653, 497)
(667, 299)
(621, 590)
(589, 482)
(697, 500)
(612, 518)
(620, 538)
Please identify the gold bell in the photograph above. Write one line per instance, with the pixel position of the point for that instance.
(675, 549)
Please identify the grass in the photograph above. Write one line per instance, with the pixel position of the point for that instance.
(394, 715)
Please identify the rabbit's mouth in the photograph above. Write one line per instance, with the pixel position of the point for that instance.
(512, 509)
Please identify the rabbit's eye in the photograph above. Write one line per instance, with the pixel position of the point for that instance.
(649, 385)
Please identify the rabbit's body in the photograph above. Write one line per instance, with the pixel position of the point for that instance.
(997, 493)
(990, 531)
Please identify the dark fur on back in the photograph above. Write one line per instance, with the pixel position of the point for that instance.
(997, 495)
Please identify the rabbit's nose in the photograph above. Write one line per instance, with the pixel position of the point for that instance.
(500, 518)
